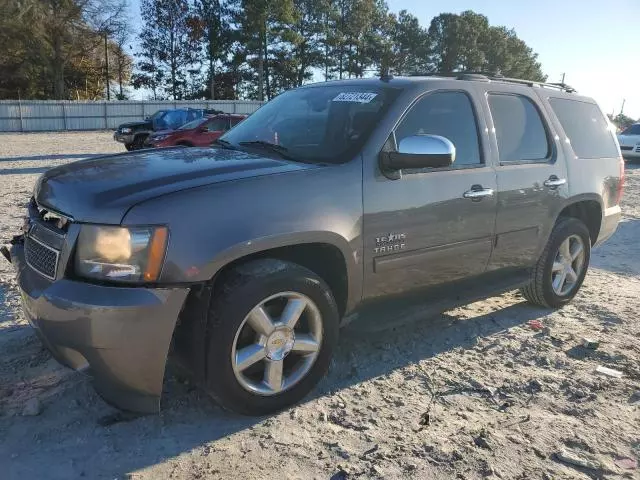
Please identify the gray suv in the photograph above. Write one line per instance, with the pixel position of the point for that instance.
(333, 200)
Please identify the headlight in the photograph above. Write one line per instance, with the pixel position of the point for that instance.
(159, 137)
(126, 130)
(133, 254)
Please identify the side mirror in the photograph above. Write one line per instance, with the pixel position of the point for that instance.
(420, 151)
(203, 128)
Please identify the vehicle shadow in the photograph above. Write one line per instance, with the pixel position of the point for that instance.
(115, 444)
(24, 171)
(57, 156)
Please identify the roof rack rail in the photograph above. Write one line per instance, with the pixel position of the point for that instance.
(486, 76)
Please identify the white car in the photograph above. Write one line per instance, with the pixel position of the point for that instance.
(629, 140)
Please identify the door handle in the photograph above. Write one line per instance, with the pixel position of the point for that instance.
(478, 193)
(555, 182)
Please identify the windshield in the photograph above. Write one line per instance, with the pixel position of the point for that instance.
(632, 130)
(157, 115)
(324, 124)
(193, 124)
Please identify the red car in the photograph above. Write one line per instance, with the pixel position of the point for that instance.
(198, 133)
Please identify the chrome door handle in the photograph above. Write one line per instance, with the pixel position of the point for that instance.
(476, 194)
(554, 182)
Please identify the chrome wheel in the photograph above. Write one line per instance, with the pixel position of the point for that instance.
(277, 343)
(568, 265)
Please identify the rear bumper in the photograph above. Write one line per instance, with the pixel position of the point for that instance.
(610, 219)
(120, 336)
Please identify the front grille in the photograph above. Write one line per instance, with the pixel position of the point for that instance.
(637, 148)
(625, 147)
(42, 258)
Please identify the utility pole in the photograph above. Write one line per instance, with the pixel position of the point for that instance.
(106, 63)
(622, 107)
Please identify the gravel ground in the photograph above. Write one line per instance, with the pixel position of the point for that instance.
(473, 393)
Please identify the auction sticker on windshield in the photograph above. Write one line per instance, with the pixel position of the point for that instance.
(357, 97)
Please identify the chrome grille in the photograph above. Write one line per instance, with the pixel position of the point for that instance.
(42, 258)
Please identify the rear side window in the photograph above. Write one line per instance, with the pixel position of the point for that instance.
(519, 128)
(586, 127)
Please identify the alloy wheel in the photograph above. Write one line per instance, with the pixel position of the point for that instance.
(277, 343)
(568, 265)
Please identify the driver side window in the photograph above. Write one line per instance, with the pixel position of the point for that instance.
(449, 115)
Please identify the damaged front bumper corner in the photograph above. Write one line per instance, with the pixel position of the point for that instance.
(119, 335)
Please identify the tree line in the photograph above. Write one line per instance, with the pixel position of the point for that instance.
(258, 48)
(61, 49)
(231, 49)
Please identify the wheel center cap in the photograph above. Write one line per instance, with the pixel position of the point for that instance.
(279, 343)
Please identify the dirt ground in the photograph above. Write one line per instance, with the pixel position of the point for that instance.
(474, 393)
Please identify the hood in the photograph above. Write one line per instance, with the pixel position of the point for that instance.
(629, 140)
(102, 190)
(137, 125)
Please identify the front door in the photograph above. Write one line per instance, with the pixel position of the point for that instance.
(532, 176)
(431, 226)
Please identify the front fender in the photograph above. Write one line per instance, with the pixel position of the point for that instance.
(244, 249)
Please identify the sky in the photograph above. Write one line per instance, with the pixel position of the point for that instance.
(595, 43)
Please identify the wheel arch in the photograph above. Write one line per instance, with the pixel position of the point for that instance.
(327, 254)
(588, 209)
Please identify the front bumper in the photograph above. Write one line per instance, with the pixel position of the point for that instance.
(126, 138)
(119, 335)
(610, 219)
(633, 154)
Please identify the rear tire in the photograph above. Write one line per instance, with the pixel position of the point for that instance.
(557, 277)
(301, 354)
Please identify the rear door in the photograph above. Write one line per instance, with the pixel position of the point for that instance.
(531, 174)
(423, 228)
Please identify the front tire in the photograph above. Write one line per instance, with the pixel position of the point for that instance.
(273, 326)
(561, 268)
(138, 142)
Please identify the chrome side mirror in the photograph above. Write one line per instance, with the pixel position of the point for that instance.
(421, 151)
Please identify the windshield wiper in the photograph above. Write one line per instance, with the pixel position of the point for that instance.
(273, 147)
(223, 143)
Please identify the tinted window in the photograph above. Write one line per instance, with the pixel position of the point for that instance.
(173, 119)
(217, 125)
(193, 114)
(519, 129)
(632, 130)
(235, 121)
(450, 115)
(192, 125)
(325, 123)
(588, 131)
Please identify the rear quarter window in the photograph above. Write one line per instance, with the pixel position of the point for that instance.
(586, 127)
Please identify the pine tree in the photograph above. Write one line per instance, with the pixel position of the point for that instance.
(168, 48)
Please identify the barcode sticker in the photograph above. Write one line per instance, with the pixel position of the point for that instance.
(355, 97)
